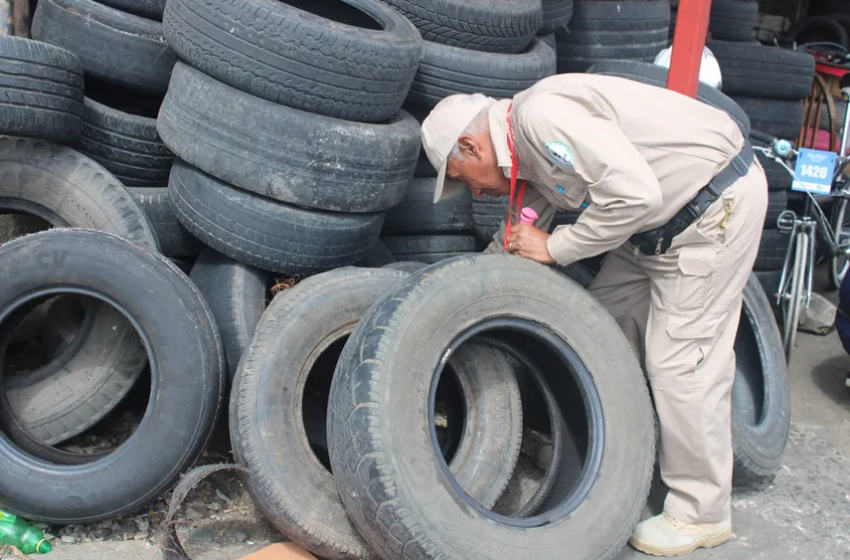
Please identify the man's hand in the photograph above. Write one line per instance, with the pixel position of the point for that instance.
(529, 242)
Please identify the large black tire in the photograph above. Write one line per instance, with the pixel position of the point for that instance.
(430, 248)
(417, 214)
(502, 26)
(289, 155)
(66, 189)
(556, 15)
(657, 76)
(446, 70)
(733, 20)
(778, 178)
(237, 295)
(349, 59)
(759, 71)
(125, 144)
(487, 215)
(392, 481)
(145, 8)
(602, 30)
(772, 250)
(782, 118)
(41, 90)
(267, 234)
(761, 403)
(174, 240)
(186, 358)
(287, 372)
(113, 46)
(777, 202)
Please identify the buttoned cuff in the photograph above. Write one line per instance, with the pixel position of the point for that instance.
(561, 247)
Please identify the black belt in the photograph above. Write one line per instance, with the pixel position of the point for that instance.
(657, 241)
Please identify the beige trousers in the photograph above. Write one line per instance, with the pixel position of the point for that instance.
(681, 311)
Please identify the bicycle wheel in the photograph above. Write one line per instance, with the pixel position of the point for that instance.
(838, 263)
(793, 293)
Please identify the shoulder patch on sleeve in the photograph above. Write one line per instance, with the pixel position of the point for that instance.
(560, 152)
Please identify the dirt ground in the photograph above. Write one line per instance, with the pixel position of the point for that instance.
(804, 514)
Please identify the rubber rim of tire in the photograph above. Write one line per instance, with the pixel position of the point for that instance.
(794, 292)
(556, 15)
(42, 87)
(489, 287)
(237, 296)
(187, 363)
(430, 248)
(114, 46)
(733, 20)
(267, 234)
(145, 8)
(838, 265)
(498, 26)
(287, 480)
(91, 198)
(174, 240)
(125, 144)
(299, 158)
(417, 213)
(782, 118)
(761, 413)
(302, 53)
(761, 71)
(446, 70)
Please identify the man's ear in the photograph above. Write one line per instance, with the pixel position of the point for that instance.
(468, 146)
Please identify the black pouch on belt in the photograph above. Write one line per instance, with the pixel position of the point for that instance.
(657, 241)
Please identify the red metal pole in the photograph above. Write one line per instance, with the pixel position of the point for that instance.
(688, 42)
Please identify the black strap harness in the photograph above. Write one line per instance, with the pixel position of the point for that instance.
(657, 241)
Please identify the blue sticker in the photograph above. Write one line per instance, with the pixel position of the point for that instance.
(561, 189)
(560, 152)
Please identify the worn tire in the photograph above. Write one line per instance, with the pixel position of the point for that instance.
(186, 356)
(446, 70)
(733, 20)
(778, 178)
(349, 59)
(289, 155)
(41, 90)
(430, 248)
(761, 403)
(777, 202)
(500, 26)
(113, 46)
(657, 76)
(67, 189)
(266, 234)
(602, 30)
(393, 484)
(174, 240)
(751, 69)
(417, 213)
(237, 295)
(298, 341)
(125, 144)
(772, 250)
(556, 15)
(145, 8)
(782, 118)
(406, 266)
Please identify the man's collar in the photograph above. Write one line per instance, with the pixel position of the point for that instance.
(498, 114)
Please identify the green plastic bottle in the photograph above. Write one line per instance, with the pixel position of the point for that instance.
(16, 532)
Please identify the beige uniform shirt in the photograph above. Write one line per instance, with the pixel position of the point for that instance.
(634, 153)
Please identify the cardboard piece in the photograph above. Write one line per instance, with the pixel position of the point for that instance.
(281, 551)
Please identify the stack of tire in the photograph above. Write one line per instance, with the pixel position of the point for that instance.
(769, 83)
(603, 30)
(92, 354)
(127, 65)
(488, 48)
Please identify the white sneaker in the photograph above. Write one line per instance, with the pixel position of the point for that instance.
(664, 536)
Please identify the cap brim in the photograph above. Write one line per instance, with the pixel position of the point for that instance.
(445, 188)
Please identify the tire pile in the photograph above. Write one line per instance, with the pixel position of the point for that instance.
(769, 83)
(193, 167)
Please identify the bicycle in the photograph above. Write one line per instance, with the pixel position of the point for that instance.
(795, 284)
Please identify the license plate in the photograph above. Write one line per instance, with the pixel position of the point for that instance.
(813, 170)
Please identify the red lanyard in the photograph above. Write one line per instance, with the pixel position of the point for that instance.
(514, 175)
